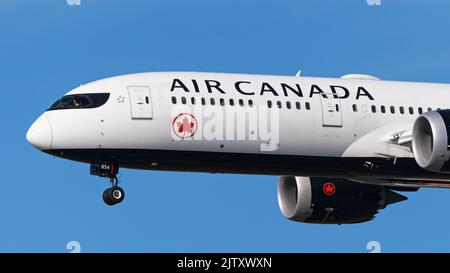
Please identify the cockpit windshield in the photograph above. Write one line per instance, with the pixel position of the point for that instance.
(80, 101)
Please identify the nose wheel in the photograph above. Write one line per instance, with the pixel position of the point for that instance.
(114, 194)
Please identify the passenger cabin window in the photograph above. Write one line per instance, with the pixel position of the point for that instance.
(174, 100)
(429, 109)
(298, 105)
(250, 103)
(192, 100)
(288, 105)
(222, 102)
(392, 109)
(307, 106)
(231, 102)
(269, 104)
(383, 109)
(402, 110)
(183, 100)
(411, 110)
(374, 109)
(279, 104)
(80, 101)
(420, 110)
(355, 108)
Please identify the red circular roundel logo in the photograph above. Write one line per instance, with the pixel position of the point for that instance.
(184, 125)
(329, 188)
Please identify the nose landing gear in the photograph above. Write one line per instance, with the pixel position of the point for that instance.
(114, 194)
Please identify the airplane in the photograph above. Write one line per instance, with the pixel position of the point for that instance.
(343, 148)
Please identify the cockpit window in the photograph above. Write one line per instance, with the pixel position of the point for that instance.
(80, 101)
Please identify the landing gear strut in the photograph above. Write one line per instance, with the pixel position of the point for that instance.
(114, 194)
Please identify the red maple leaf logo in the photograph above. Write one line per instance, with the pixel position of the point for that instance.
(184, 125)
(329, 188)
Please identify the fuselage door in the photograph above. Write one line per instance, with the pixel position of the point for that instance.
(331, 111)
(141, 102)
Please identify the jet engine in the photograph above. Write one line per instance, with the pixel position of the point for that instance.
(431, 140)
(332, 201)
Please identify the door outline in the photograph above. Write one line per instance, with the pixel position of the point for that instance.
(141, 105)
(331, 110)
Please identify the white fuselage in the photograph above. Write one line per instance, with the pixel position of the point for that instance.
(345, 121)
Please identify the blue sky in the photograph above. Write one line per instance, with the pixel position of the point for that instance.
(48, 47)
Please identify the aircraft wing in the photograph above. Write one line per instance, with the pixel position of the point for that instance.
(389, 141)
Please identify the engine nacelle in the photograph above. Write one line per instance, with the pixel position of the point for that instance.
(430, 140)
(331, 201)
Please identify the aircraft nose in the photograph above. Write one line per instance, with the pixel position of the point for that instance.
(40, 133)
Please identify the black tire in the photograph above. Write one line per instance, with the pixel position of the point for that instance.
(106, 197)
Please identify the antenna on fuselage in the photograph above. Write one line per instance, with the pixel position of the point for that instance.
(299, 72)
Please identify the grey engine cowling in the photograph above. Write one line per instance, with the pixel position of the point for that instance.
(430, 141)
(331, 201)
